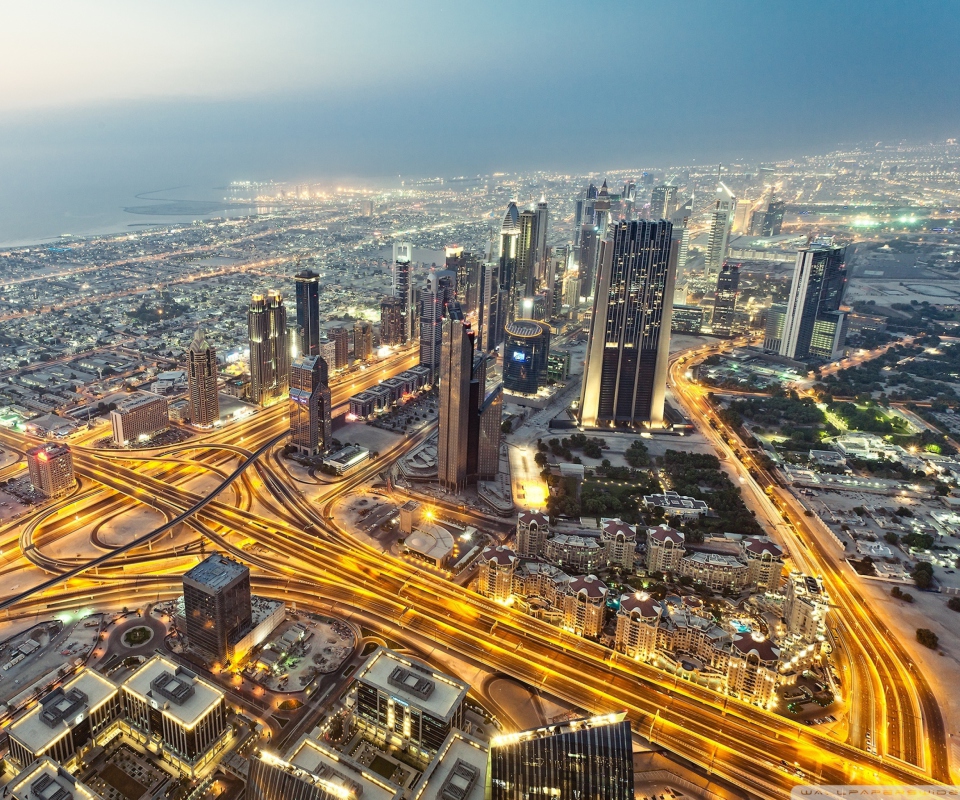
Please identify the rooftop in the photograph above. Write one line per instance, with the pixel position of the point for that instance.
(341, 772)
(177, 691)
(459, 771)
(59, 710)
(217, 571)
(45, 779)
(415, 683)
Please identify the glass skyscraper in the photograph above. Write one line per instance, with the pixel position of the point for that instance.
(813, 326)
(308, 312)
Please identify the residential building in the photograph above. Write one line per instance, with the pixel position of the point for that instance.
(202, 376)
(638, 620)
(69, 721)
(625, 375)
(575, 553)
(533, 528)
(403, 288)
(665, 548)
(217, 607)
(310, 406)
(619, 544)
(269, 349)
(51, 469)
(307, 291)
(584, 607)
(138, 418)
(813, 325)
(181, 715)
(764, 561)
(402, 702)
(716, 571)
(391, 321)
(805, 607)
(341, 346)
(725, 301)
(495, 574)
(362, 341)
(587, 758)
(753, 672)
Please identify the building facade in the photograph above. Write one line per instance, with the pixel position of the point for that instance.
(585, 606)
(307, 291)
(217, 607)
(269, 349)
(495, 574)
(455, 368)
(725, 301)
(813, 323)
(721, 221)
(51, 469)
(526, 353)
(391, 321)
(202, 376)
(139, 417)
(311, 429)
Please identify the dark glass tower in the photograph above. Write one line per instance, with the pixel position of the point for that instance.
(308, 312)
(526, 351)
(725, 300)
(626, 370)
(590, 759)
(310, 411)
(813, 310)
(216, 606)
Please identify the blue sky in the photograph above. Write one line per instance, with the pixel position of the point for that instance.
(309, 89)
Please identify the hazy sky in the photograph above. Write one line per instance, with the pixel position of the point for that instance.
(171, 92)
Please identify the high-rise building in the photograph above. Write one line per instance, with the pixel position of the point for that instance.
(773, 329)
(216, 606)
(725, 300)
(586, 758)
(341, 346)
(269, 348)
(543, 216)
(525, 271)
(434, 298)
(202, 381)
(51, 469)
(307, 285)
(813, 325)
(526, 351)
(469, 273)
(310, 405)
(686, 319)
(391, 321)
(626, 369)
(403, 286)
(721, 221)
(456, 366)
(681, 232)
(663, 201)
(362, 340)
(768, 222)
(491, 415)
(139, 417)
(500, 304)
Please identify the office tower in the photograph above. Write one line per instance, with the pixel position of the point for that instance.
(434, 297)
(663, 201)
(571, 290)
(402, 701)
(626, 370)
(403, 286)
(555, 270)
(489, 308)
(768, 222)
(725, 300)
(589, 252)
(681, 232)
(686, 319)
(202, 381)
(362, 341)
(139, 417)
(721, 220)
(456, 367)
(310, 405)
(307, 285)
(499, 311)
(340, 337)
(524, 274)
(269, 348)
(51, 469)
(773, 328)
(526, 350)
(813, 325)
(217, 610)
(586, 758)
(491, 417)
(391, 321)
(543, 216)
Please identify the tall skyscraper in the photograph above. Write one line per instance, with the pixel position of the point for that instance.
(663, 201)
(681, 232)
(391, 321)
(307, 285)
(216, 606)
(580, 759)
(725, 300)
(773, 328)
(51, 469)
(310, 405)
(434, 298)
(202, 381)
(626, 370)
(813, 326)
(456, 366)
(269, 348)
(525, 270)
(526, 350)
(403, 286)
(769, 221)
(340, 337)
(362, 340)
(490, 305)
(721, 221)
(467, 268)
(543, 216)
(507, 274)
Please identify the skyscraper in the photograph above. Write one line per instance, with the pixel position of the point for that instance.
(813, 325)
(490, 305)
(341, 346)
(590, 759)
(202, 381)
(663, 201)
(721, 221)
(507, 275)
(456, 366)
(362, 340)
(391, 321)
(467, 268)
(626, 370)
(543, 215)
(310, 405)
(525, 271)
(216, 606)
(681, 232)
(307, 286)
(526, 350)
(725, 300)
(51, 469)
(269, 348)
(434, 297)
(403, 286)
(768, 222)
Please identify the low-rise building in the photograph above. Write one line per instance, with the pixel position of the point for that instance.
(715, 571)
(764, 561)
(575, 553)
(139, 417)
(347, 459)
(45, 779)
(674, 504)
